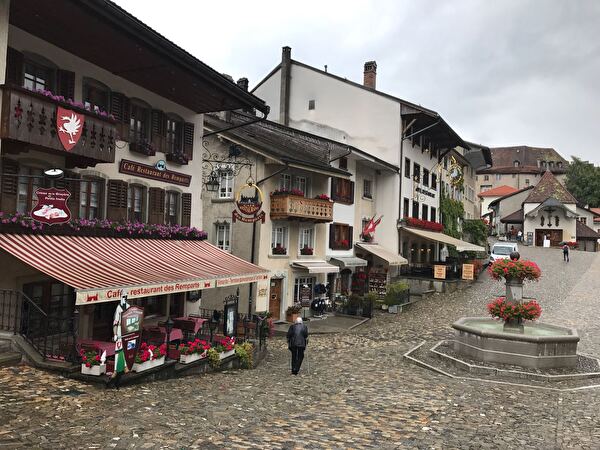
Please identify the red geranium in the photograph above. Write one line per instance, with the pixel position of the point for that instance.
(520, 269)
(424, 224)
(225, 344)
(506, 310)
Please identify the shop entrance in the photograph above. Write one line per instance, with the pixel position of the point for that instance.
(275, 298)
(55, 299)
(555, 236)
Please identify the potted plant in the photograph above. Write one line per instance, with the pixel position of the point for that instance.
(306, 250)
(397, 294)
(92, 363)
(279, 250)
(514, 313)
(225, 347)
(366, 237)
(293, 312)
(244, 352)
(323, 197)
(149, 356)
(193, 351)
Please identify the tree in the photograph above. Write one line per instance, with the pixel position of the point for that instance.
(583, 181)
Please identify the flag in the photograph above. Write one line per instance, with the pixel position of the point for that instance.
(370, 227)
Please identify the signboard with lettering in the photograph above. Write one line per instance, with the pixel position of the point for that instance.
(468, 271)
(51, 207)
(131, 332)
(146, 171)
(249, 200)
(305, 296)
(439, 271)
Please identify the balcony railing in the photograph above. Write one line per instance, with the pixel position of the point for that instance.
(30, 117)
(295, 207)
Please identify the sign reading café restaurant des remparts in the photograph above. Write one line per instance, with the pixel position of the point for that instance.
(146, 171)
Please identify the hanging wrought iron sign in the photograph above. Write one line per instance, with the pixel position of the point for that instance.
(51, 207)
(249, 200)
(455, 173)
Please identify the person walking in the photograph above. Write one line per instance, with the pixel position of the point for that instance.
(297, 337)
(565, 250)
(519, 236)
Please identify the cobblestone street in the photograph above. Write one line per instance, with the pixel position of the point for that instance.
(355, 390)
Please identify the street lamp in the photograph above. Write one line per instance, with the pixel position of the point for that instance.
(54, 174)
(212, 184)
(169, 327)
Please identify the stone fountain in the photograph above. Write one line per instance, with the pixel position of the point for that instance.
(534, 345)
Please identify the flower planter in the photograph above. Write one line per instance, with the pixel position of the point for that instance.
(140, 367)
(292, 317)
(226, 354)
(187, 359)
(94, 370)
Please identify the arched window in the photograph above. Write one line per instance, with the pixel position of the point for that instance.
(95, 94)
(174, 134)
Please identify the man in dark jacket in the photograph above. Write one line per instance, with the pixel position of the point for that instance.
(297, 337)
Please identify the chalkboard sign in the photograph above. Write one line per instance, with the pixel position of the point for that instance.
(530, 238)
(305, 296)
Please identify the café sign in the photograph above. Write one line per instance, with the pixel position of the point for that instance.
(152, 172)
(249, 200)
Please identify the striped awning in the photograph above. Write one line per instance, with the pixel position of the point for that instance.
(101, 268)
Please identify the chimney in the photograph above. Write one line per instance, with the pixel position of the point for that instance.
(370, 74)
(243, 83)
(286, 70)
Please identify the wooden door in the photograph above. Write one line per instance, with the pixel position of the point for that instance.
(555, 237)
(275, 299)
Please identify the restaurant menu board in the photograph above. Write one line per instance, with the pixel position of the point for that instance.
(468, 271)
(378, 283)
(439, 271)
(305, 296)
(131, 326)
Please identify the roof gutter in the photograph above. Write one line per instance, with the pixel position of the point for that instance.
(340, 157)
(233, 127)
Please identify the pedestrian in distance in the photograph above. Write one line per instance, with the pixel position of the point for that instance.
(519, 236)
(297, 337)
(565, 250)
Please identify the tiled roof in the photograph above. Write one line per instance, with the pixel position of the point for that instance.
(515, 217)
(503, 160)
(549, 187)
(585, 232)
(499, 191)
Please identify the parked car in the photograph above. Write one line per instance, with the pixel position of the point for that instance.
(502, 250)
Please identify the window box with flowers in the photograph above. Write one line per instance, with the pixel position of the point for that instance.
(149, 356)
(92, 364)
(323, 197)
(178, 157)
(279, 250)
(193, 351)
(143, 146)
(292, 191)
(225, 347)
(306, 250)
(422, 224)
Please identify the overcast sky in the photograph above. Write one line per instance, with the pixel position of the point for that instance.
(501, 73)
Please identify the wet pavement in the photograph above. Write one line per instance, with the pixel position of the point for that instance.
(355, 390)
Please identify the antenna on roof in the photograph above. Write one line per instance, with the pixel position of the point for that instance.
(325, 67)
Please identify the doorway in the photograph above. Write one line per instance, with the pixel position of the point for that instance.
(275, 298)
(555, 236)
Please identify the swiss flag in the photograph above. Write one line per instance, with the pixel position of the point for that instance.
(69, 126)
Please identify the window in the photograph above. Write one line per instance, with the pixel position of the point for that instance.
(498, 176)
(285, 182)
(302, 184)
(425, 212)
(344, 163)
(38, 76)
(486, 178)
(340, 235)
(226, 180)
(559, 164)
(485, 187)
(155, 305)
(445, 162)
(96, 94)
(407, 167)
(174, 135)
(417, 172)
(433, 181)
(139, 122)
(583, 220)
(406, 208)
(90, 198)
(135, 203)
(306, 238)
(311, 104)
(308, 282)
(224, 236)
(544, 164)
(30, 179)
(433, 213)
(516, 163)
(171, 207)
(415, 210)
(279, 238)
(342, 191)
(367, 187)
(526, 181)
(551, 164)
(425, 177)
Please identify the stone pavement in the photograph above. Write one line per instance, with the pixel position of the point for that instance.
(355, 390)
(327, 325)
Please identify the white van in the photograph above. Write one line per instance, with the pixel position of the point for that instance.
(502, 250)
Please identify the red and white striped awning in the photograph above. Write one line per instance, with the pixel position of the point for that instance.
(101, 268)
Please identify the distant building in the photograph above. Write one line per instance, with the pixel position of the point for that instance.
(490, 195)
(520, 166)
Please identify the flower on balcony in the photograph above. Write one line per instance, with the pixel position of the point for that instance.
(306, 250)
(177, 157)
(323, 197)
(279, 250)
(59, 98)
(143, 146)
(423, 224)
(282, 191)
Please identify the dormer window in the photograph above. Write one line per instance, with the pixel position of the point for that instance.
(544, 164)
(516, 163)
(559, 164)
(551, 164)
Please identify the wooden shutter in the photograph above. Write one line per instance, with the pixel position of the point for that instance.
(14, 67)
(351, 193)
(332, 236)
(186, 209)
(350, 237)
(158, 130)
(66, 84)
(116, 200)
(72, 183)
(334, 183)
(120, 109)
(188, 140)
(156, 206)
(9, 183)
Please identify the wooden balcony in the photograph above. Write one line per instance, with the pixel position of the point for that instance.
(30, 118)
(295, 207)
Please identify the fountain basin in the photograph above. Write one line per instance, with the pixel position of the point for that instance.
(539, 346)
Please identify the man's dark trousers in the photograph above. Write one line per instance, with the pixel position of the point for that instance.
(297, 357)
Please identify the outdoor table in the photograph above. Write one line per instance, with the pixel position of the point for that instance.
(176, 333)
(108, 347)
(198, 322)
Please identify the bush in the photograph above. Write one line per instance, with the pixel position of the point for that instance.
(294, 309)
(244, 352)
(396, 293)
